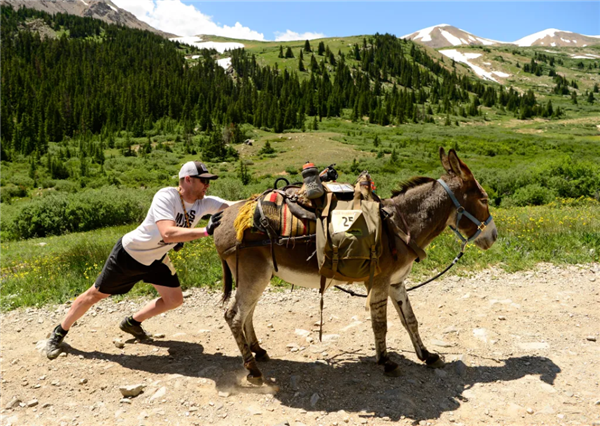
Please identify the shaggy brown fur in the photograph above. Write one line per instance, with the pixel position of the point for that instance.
(411, 183)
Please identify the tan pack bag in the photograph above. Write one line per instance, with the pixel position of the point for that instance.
(349, 239)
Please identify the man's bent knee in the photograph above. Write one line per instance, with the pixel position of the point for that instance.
(93, 295)
(173, 301)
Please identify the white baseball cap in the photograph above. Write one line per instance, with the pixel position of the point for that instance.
(196, 168)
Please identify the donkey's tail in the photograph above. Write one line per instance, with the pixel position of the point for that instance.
(227, 281)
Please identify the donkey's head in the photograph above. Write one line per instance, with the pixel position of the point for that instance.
(473, 198)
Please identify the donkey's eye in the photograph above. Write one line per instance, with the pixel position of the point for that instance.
(484, 201)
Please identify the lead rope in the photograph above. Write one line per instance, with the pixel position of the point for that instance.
(454, 262)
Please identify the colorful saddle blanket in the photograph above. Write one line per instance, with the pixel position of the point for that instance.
(281, 218)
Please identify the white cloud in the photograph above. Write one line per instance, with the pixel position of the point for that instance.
(174, 17)
(292, 35)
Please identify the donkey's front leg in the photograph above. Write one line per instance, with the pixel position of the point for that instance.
(409, 321)
(378, 306)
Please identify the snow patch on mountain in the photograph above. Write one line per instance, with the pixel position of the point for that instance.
(218, 46)
(455, 41)
(585, 56)
(225, 62)
(425, 33)
(465, 57)
(532, 38)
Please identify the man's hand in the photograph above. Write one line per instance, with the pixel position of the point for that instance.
(213, 222)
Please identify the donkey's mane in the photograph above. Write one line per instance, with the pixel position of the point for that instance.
(411, 183)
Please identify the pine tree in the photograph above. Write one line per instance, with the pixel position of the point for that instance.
(4, 155)
(266, 149)
(288, 53)
(243, 173)
(315, 125)
(356, 52)
(280, 52)
(314, 65)
(574, 97)
(307, 47)
(214, 149)
(376, 141)
(590, 98)
(301, 63)
(321, 49)
(332, 60)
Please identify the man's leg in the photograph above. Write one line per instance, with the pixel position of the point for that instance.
(79, 307)
(170, 298)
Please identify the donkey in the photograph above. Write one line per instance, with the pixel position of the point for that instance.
(428, 206)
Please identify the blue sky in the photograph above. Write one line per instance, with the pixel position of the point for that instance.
(504, 21)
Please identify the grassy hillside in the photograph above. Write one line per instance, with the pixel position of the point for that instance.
(78, 192)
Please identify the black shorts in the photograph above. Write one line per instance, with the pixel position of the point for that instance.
(121, 272)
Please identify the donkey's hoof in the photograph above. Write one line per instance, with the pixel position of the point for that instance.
(435, 361)
(255, 380)
(391, 369)
(262, 356)
(395, 372)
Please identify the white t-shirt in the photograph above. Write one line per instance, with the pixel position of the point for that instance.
(145, 243)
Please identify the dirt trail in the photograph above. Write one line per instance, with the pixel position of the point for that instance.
(520, 349)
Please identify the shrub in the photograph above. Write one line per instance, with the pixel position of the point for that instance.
(66, 186)
(9, 191)
(530, 195)
(61, 213)
(291, 170)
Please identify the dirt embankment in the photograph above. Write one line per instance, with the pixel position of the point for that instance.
(520, 349)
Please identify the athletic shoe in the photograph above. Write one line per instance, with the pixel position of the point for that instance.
(135, 330)
(54, 344)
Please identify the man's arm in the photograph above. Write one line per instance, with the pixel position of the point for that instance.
(228, 204)
(171, 233)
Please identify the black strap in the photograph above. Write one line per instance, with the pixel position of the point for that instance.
(321, 291)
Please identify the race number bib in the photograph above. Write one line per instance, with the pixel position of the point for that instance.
(342, 220)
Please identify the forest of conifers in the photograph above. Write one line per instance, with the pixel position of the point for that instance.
(97, 78)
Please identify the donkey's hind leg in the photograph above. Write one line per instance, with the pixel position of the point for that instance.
(254, 275)
(259, 353)
(409, 321)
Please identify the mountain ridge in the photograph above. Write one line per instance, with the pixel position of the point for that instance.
(445, 35)
(104, 10)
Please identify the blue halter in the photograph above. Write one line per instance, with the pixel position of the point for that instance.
(460, 211)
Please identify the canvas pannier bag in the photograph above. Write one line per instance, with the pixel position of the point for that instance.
(349, 239)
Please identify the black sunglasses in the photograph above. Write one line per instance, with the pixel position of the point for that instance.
(205, 181)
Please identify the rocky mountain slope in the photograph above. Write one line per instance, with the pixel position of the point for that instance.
(554, 38)
(445, 35)
(99, 9)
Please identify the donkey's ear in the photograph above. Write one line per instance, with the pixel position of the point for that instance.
(458, 167)
(444, 160)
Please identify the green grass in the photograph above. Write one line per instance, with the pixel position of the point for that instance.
(52, 270)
